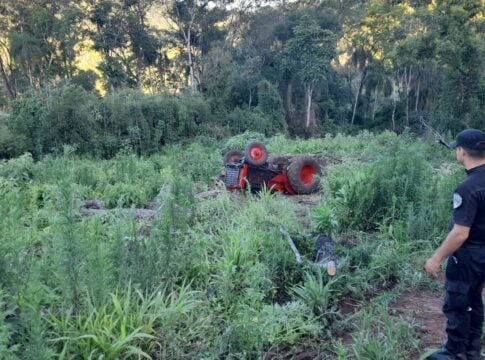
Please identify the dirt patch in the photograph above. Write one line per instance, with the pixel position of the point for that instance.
(309, 201)
(304, 205)
(349, 306)
(426, 308)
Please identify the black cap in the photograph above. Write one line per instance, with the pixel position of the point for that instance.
(473, 139)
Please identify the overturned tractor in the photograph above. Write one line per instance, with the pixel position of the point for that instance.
(254, 170)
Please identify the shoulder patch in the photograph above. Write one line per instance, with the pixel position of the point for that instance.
(457, 200)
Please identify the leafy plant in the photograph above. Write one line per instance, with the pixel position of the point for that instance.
(126, 326)
(318, 294)
(325, 219)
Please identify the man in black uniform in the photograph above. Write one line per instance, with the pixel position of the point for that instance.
(465, 248)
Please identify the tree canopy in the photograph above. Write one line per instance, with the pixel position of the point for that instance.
(332, 65)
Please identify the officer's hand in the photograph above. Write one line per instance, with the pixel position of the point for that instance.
(432, 266)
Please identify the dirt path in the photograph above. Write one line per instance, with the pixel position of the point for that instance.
(425, 308)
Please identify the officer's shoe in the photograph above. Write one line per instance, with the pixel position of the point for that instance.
(445, 354)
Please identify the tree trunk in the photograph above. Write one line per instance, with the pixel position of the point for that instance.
(309, 95)
(289, 99)
(31, 81)
(139, 70)
(393, 118)
(191, 65)
(417, 95)
(361, 85)
(376, 102)
(408, 90)
(6, 80)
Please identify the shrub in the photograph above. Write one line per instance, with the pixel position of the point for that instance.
(241, 119)
(48, 120)
(317, 293)
(325, 219)
(145, 123)
(27, 121)
(10, 145)
(45, 121)
(239, 142)
(270, 104)
(199, 163)
(379, 191)
(7, 349)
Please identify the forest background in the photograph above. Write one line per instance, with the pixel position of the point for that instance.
(104, 76)
(135, 102)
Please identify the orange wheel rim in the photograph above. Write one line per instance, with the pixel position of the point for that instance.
(307, 174)
(256, 153)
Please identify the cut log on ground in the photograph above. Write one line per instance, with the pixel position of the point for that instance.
(139, 214)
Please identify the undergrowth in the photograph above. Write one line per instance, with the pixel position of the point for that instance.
(216, 278)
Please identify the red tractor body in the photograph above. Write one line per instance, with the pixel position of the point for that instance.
(252, 169)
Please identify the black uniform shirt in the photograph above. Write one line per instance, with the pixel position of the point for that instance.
(469, 205)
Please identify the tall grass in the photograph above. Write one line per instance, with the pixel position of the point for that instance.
(129, 325)
(213, 278)
(382, 337)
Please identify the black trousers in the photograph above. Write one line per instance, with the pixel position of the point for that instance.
(463, 306)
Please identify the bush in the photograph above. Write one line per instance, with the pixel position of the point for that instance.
(50, 119)
(317, 293)
(270, 104)
(241, 119)
(45, 121)
(27, 121)
(10, 144)
(7, 350)
(239, 142)
(381, 190)
(325, 219)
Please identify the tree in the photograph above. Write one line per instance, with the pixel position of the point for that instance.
(128, 46)
(42, 35)
(308, 54)
(5, 60)
(196, 22)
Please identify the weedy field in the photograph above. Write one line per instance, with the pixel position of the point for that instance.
(214, 278)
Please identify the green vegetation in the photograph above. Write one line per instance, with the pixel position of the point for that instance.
(215, 278)
(134, 103)
(105, 76)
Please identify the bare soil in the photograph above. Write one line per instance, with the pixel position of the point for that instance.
(425, 307)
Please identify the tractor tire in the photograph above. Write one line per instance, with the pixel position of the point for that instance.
(233, 156)
(303, 175)
(256, 153)
(279, 162)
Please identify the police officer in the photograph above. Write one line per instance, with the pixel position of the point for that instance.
(465, 248)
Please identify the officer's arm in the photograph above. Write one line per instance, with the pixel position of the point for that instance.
(456, 237)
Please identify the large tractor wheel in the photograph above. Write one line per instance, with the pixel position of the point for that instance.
(233, 156)
(256, 153)
(303, 175)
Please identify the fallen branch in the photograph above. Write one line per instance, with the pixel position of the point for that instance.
(92, 204)
(140, 214)
(292, 244)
